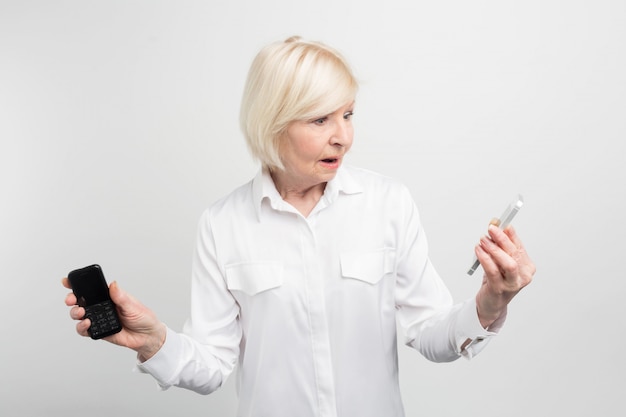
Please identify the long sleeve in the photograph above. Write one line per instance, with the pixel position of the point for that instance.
(431, 323)
(205, 354)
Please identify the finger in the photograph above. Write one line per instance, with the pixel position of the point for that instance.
(77, 313)
(498, 236)
(82, 327)
(512, 234)
(485, 260)
(522, 256)
(66, 283)
(526, 266)
(124, 301)
(116, 293)
(70, 300)
(503, 262)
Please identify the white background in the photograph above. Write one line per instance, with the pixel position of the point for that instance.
(118, 126)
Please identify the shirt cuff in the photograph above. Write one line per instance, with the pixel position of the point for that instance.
(163, 365)
(471, 337)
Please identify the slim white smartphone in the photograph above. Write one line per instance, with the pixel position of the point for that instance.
(503, 221)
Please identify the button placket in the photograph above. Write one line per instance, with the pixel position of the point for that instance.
(318, 321)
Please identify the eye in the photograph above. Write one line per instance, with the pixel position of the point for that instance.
(348, 115)
(321, 120)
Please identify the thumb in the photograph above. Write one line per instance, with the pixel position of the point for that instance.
(121, 298)
(126, 304)
(115, 292)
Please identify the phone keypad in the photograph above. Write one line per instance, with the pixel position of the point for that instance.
(104, 320)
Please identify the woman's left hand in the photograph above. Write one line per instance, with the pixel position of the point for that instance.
(508, 269)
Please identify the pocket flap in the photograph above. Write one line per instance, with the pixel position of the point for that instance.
(254, 277)
(368, 266)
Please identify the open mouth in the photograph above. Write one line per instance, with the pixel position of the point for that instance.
(329, 160)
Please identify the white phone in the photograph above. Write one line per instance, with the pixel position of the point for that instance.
(503, 221)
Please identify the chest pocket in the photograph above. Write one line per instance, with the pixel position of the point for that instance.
(368, 266)
(254, 277)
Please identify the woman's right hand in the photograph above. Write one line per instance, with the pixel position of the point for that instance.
(142, 331)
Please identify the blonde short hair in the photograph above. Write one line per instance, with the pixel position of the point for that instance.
(289, 81)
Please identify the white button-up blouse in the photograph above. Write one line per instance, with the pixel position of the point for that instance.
(307, 307)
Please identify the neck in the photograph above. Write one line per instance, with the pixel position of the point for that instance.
(303, 197)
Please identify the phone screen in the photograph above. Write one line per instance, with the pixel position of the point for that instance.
(89, 285)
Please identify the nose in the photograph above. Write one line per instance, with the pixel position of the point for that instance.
(342, 133)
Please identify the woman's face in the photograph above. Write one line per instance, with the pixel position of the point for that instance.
(313, 150)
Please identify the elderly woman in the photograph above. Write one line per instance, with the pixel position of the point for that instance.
(300, 275)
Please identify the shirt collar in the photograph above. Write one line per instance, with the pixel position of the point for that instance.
(263, 189)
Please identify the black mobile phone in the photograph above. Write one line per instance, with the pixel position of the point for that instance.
(92, 292)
